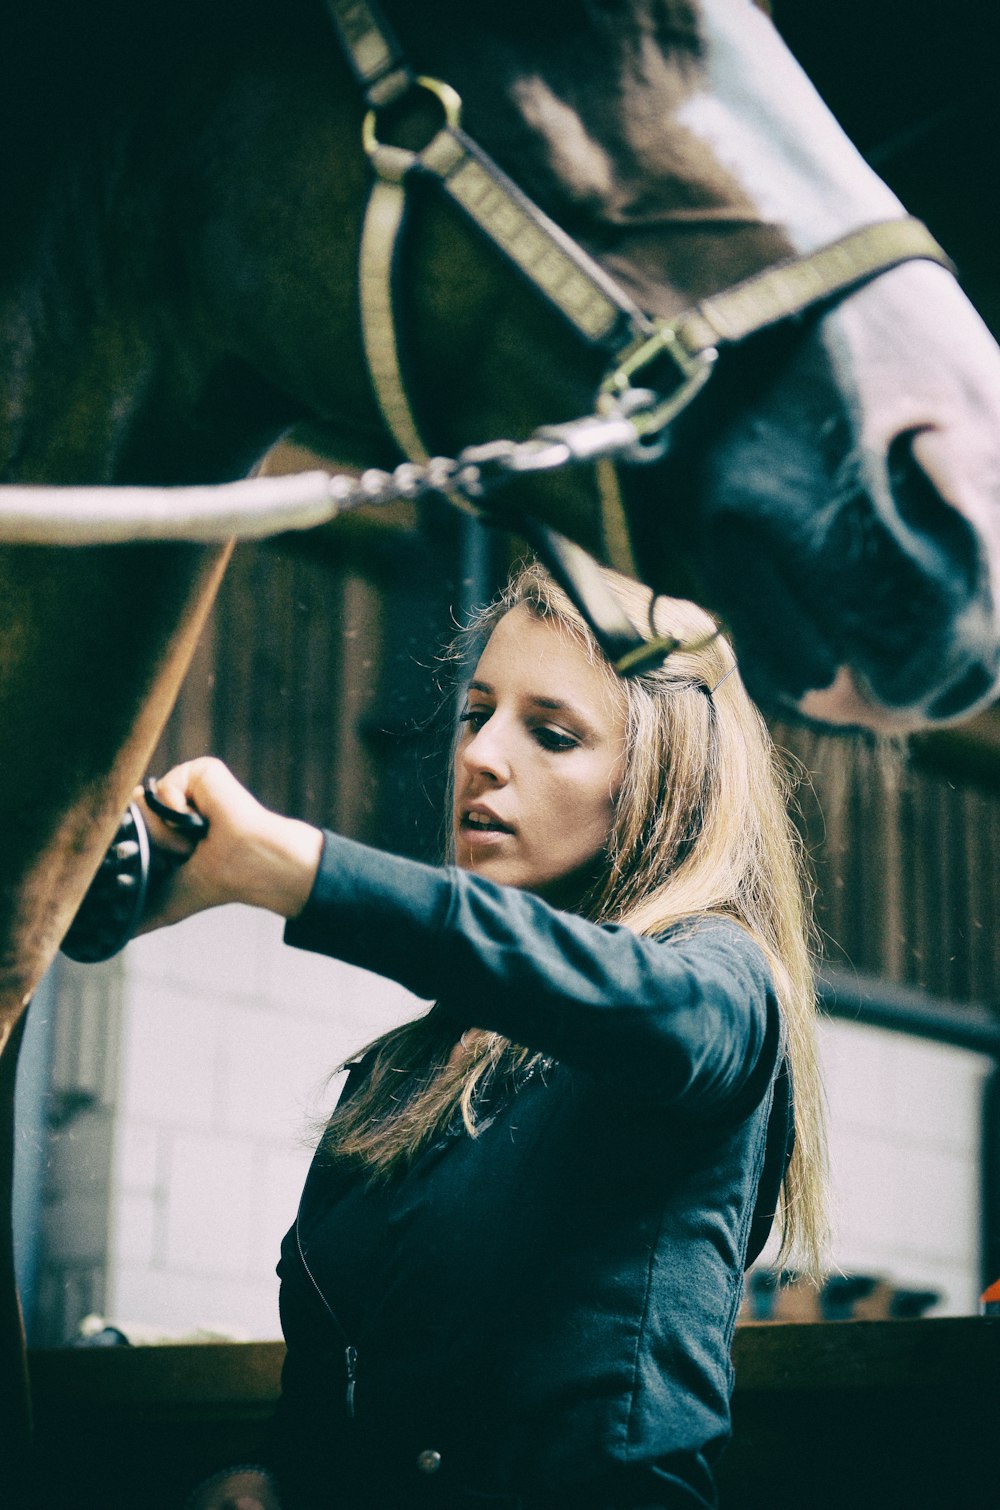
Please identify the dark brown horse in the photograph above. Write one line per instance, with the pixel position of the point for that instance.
(184, 188)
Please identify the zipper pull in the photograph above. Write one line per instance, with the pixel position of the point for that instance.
(351, 1363)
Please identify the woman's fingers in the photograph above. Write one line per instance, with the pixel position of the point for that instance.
(170, 790)
(189, 888)
(247, 853)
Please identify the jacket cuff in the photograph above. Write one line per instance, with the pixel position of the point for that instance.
(372, 909)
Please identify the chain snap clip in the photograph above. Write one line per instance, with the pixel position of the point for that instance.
(649, 411)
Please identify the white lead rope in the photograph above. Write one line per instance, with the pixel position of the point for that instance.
(250, 509)
(260, 506)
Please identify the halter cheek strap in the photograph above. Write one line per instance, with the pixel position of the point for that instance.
(600, 312)
(575, 570)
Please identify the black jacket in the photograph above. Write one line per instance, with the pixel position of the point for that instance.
(540, 1316)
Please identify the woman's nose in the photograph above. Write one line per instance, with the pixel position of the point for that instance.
(486, 753)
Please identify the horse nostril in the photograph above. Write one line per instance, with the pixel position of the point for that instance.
(936, 524)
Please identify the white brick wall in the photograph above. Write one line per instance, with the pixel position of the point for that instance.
(229, 1043)
(904, 1147)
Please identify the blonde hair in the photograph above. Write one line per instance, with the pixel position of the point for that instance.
(701, 826)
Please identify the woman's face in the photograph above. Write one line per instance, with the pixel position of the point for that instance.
(539, 760)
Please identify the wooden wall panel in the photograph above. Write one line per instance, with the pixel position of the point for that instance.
(316, 681)
(906, 862)
(280, 687)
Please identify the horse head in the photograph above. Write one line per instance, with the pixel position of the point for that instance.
(832, 492)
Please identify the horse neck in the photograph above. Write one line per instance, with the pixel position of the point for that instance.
(108, 370)
(140, 282)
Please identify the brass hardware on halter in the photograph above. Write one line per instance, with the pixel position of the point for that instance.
(648, 410)
(451, 104)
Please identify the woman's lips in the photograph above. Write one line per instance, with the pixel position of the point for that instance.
(480, 828)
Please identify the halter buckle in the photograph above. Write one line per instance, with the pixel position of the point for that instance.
(649, 411)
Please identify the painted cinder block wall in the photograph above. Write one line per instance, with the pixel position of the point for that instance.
(229, 1048)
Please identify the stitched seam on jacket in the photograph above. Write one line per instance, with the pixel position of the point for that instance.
(750, 1206)
(640, 1333)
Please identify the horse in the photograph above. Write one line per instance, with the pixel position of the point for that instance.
(185, 193)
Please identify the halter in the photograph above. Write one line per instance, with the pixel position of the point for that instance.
(631, 419)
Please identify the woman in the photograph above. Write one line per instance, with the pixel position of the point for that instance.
(518, 1257)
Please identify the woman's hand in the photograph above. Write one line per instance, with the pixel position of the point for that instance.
(249, 854)
(240, 1489)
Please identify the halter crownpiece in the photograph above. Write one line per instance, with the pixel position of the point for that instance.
(631, 421)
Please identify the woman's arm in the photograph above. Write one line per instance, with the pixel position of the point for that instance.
(691, 1019)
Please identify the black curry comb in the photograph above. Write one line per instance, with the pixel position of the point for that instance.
(127, 881)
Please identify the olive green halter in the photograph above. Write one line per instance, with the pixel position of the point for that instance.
(600, 312)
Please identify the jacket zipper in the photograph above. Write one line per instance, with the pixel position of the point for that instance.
(350, 1351)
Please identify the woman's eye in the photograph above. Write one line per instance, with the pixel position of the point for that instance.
(474, 717)
(555, 739)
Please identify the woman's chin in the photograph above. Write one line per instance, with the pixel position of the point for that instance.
(567, 892)
(479, 860)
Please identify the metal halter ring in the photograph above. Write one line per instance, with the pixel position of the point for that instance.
(650, 411)
(448, 98)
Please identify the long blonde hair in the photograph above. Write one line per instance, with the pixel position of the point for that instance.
(701, 826)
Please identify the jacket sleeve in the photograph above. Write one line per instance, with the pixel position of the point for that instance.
(689, 1018)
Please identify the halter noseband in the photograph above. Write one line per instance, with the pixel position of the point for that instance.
(591, 301)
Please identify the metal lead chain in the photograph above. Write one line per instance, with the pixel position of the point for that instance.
(477, 470)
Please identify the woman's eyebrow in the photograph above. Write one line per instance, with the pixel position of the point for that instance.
(556, 704)
(540, 700)
(578, 717)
